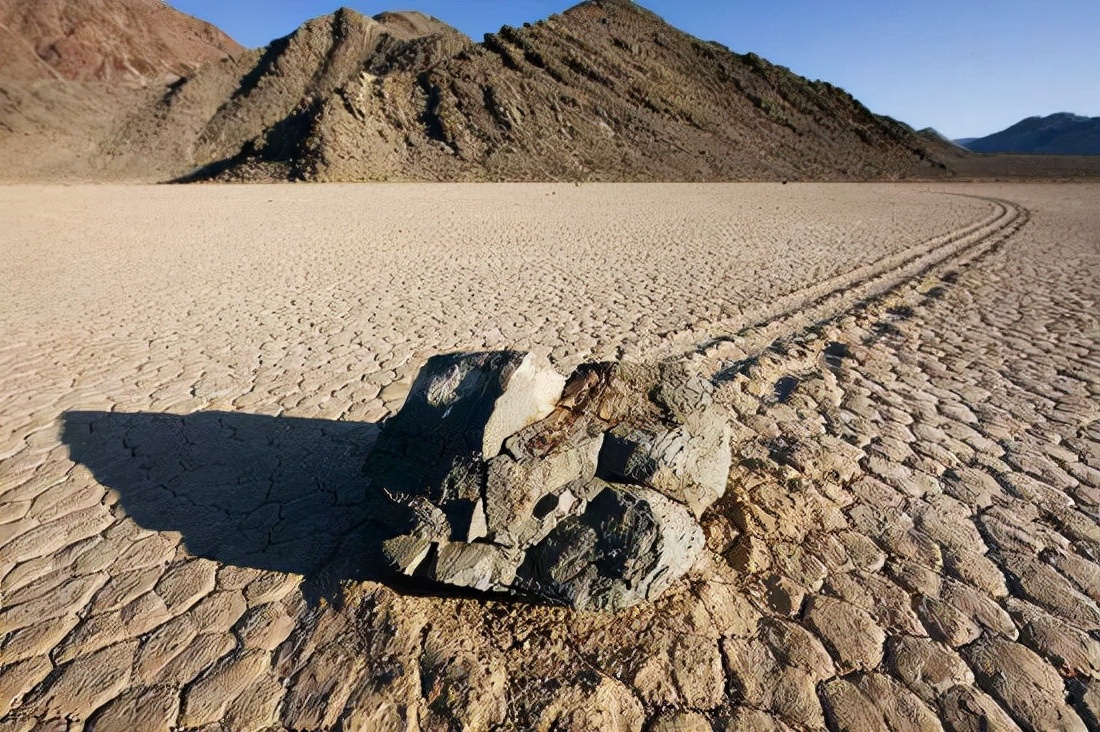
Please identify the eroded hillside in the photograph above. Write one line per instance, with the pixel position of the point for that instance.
(604, 91)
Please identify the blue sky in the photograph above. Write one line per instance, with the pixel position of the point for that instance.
(966, 67)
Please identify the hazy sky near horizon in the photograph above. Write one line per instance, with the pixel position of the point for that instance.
(966, 67)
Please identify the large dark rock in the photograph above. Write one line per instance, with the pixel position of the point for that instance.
(587, 496)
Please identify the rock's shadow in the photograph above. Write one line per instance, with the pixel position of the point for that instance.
(273, 493)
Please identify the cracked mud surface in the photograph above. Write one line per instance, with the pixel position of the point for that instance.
(192, 377)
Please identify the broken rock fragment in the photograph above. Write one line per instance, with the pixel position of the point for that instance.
(628, 546)
(587, 495)
(459, 410)
(689, 463)
(527, 489)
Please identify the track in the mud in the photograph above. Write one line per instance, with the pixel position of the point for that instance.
(811, 307)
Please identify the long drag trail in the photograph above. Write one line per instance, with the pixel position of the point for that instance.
(824, 301)
(192, 377)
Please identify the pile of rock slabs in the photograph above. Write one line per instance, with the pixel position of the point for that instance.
(584, 492)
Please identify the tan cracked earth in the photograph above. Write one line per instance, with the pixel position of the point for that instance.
(192, 378)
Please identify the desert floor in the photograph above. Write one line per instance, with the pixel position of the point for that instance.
(192, 378)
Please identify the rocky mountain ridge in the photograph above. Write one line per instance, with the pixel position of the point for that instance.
(604, 91)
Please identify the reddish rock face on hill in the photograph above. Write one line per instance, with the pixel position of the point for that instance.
(104, 40)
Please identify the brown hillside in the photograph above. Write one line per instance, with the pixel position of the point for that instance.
(103, 40)
(604, 91)
(264, 105)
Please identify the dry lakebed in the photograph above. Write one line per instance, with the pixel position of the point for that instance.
(195, 377)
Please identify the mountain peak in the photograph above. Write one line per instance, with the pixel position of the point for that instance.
(403, 25)
(1066, 116)
(412, 23)
(612, 6)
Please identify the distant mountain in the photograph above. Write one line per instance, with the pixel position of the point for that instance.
(604, 91)
(1058, 134)
(103, 40)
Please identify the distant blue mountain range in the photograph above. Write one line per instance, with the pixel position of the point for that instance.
(1058, 134)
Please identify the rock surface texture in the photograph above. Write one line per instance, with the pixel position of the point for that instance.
(909, 538)
(130, 41)
(587, 497)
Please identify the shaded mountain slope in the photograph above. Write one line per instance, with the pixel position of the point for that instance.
(131, 40)
(1055, 134)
